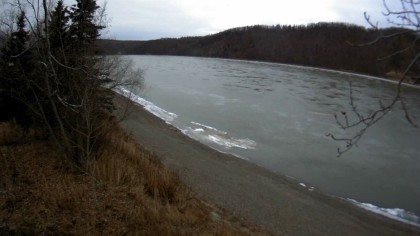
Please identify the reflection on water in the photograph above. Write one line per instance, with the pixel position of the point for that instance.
(283, 113)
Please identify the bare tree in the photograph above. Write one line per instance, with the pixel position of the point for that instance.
(407, 20)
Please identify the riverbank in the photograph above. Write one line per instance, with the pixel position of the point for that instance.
(277, 203)
(125, 190)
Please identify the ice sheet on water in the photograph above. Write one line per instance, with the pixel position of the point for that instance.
(207, 133)
(309, 188)
(206, 127)
(393, 213)
(152, 108)
(197, 131)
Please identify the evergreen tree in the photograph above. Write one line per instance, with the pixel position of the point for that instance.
(58, 27)
(84, 32)
(15, 70)
(15, 52)
(83, 28)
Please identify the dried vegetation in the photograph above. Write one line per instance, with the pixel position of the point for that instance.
(125, 190)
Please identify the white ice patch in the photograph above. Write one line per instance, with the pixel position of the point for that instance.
(393, 213)
(310, 188)
(206, 127)
(197, 131)
(150, 107)
(209, 134)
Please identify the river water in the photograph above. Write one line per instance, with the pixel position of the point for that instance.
(278, 116)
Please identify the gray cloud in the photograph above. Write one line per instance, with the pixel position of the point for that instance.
(150, 19)
(147, 19)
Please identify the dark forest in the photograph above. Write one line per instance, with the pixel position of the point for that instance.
(336, 46)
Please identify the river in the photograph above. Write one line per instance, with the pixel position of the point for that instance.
(278, 116)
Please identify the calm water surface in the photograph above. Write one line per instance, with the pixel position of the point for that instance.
(277, 116)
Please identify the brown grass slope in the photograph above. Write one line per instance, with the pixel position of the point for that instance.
(126, 190)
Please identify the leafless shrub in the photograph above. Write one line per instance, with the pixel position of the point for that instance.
(407, 18)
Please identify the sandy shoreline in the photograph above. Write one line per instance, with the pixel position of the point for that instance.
(277, 203)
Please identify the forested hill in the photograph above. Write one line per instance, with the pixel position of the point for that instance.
(327, 45)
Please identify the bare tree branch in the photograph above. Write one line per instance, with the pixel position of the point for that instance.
(408, 16)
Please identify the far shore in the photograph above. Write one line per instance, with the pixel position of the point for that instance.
(391, 77)
(277, 203)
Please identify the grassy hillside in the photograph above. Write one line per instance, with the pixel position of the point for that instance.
(126, 190)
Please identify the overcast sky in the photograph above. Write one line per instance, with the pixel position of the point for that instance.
(151, 19)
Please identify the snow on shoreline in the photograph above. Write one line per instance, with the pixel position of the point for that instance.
(393, 213)
(397, 214)
(206, 133)
(197, 131)
(150, 107)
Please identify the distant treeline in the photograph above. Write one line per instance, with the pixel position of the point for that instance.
(327, 45)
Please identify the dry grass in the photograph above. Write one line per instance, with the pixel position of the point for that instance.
(125, 191)
(10, 133)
